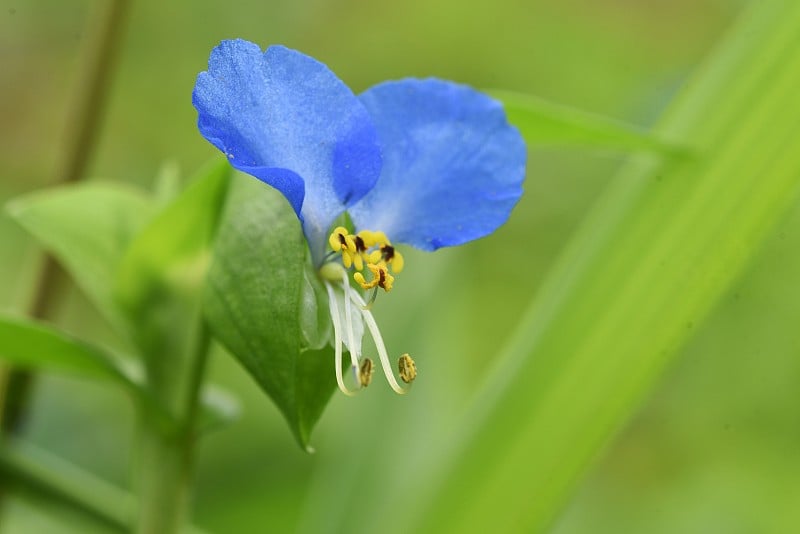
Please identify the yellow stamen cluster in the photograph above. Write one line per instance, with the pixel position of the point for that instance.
(371, 248)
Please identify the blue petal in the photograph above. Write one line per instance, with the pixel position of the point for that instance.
(452, 165)
(289, 121)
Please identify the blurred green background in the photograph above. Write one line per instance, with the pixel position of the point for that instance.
(713, 450)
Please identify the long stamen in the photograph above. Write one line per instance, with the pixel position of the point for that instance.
(348, 317)
(337, 341)
(376, 336)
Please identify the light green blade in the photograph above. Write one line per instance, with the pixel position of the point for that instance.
(649, 263)
(544, 123)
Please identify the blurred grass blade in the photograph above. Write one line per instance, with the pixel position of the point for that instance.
(87, 227)
(544, 123)
(648, 264)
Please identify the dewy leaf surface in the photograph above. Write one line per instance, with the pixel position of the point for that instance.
(254, 303)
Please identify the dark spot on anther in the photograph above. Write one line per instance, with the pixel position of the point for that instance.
(382, 279)
(387, 252)
(360, 246)
(342, 240)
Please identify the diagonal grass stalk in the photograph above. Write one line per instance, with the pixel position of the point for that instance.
(649, 263)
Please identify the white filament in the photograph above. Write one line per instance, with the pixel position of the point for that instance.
(376, 336)
(337, 340)
(348, 318)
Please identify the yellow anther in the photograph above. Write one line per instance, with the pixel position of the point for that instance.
(365, 372)
(341, 240)
(366, 237)
(334, 240)
(380, 238)
(360, 280)
(397, 262)
(372, 239)
(390, 256)
(358, 261)
(380, 278)
(407, 368)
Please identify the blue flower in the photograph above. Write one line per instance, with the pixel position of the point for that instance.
(428, 163)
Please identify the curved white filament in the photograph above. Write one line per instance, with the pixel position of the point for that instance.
(376, 336)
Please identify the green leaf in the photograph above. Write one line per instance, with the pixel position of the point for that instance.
(172, 252)
(544, 123)
(35, 345)
(255, 300)
(650, 262)
(87, 227)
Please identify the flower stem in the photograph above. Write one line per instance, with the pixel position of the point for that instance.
(166, 455)
(163, 480)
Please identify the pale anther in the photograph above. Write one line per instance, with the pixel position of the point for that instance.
(365, 372)
(407, 368)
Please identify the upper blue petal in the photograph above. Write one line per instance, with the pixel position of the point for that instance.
(452, 165)
(285, 118)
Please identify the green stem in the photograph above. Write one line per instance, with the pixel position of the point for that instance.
(163, 480)
(167, 455)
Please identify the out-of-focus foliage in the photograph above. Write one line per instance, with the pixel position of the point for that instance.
(661, 247)
(88, 228)
(713, 449)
